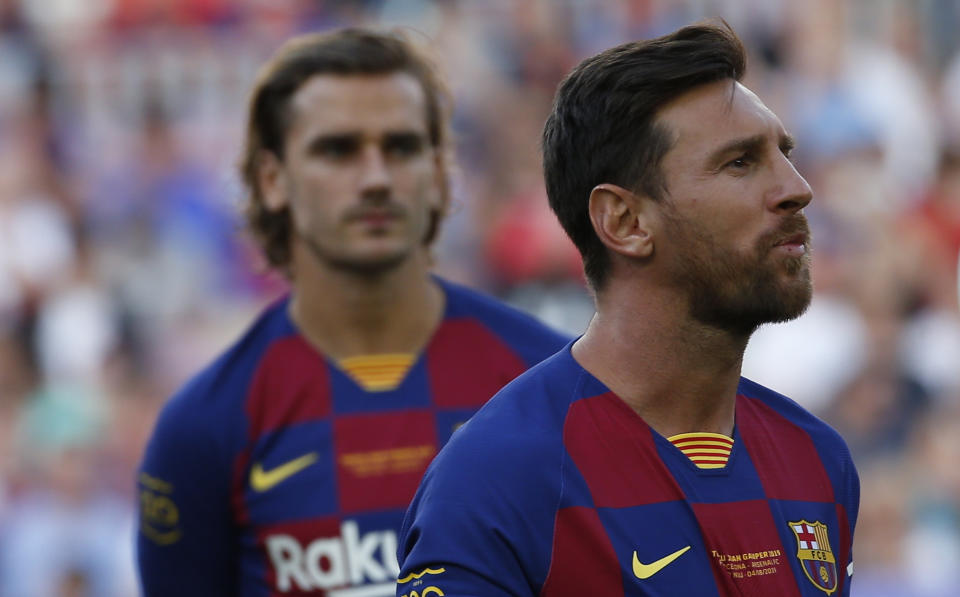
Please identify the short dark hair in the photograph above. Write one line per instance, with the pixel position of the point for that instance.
(352, 51)
(602, 127)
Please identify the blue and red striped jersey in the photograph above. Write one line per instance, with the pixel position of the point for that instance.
(274, 472)
(558, 488)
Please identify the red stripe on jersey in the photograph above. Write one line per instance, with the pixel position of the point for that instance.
(745, 550)
(843, 550)
(467, 364)
(784, 455)
(291, 385)
(381, 457)
(609, 443)
(583, 561)
(238, 487)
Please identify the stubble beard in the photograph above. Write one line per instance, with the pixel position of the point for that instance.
(739, 293)
(370, 267)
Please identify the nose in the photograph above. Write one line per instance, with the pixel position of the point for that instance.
(792, 192)
(374, 175)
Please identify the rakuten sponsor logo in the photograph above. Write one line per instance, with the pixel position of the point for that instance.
(328, 562)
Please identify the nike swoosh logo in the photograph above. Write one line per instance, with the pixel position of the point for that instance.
(262, 480)
(644, 571)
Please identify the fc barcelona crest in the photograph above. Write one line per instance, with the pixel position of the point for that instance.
(816, 557)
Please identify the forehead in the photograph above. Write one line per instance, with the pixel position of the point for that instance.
(711, 115)
(370, 104)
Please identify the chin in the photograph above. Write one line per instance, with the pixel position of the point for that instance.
(743, 311)
(788, 305)
(371, 265)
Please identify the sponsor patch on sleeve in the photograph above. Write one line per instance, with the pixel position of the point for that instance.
(420, 583)
(159, 516)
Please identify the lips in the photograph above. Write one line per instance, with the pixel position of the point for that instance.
(796, 239)
(794, 245)
(376, 216)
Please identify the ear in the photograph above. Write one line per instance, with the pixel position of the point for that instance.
(272, 181)
(622, 220)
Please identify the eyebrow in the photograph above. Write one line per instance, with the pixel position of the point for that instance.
(752, 144)
(325, 139)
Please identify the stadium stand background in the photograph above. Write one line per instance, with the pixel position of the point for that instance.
(123, 268)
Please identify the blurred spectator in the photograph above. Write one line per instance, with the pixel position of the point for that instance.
(160, 227)
(67, 533)
(932, 549)
(830, 339)
(879, 547)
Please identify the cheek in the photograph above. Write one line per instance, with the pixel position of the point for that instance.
(414, 177)
(312, 206)
(738, 230)
(429, 191)
(319, 180)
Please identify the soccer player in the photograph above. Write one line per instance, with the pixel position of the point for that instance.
(285, 466)
(637, 461)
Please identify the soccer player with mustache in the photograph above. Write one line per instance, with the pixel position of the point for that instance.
(638, 461)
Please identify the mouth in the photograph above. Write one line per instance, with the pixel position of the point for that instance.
(794, 245)
(376, 218)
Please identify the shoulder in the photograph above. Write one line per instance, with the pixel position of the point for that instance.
(209, 407)
(488, 501)
(779, 413)
(819, 431)
(516, 437)
(531, 338)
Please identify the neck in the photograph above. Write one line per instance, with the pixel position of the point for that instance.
(677, 374)
(346, 313)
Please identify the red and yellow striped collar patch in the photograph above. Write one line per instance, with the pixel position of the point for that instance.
(706, 450)
(378, 372)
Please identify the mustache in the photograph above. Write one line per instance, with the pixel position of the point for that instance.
(794, 225)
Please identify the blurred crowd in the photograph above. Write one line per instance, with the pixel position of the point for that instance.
(124, 265)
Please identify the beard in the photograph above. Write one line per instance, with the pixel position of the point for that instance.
(365, 266)
(346, 254)
(738, 292)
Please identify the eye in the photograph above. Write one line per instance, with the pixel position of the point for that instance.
(786, 147)
(336, 148)
(403, 146)
(741, 162)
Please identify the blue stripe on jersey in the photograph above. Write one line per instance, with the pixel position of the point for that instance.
(314, 481)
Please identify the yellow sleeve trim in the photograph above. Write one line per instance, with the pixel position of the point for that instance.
(155, 484)
(416, 575)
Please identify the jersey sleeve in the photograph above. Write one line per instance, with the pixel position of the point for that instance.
(481, 522)
(448, 550)
(184, 539)
(851, 505)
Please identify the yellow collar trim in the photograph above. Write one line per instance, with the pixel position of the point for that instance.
(706, 450)
(378, 372)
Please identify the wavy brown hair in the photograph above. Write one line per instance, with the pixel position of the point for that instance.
(351, 51)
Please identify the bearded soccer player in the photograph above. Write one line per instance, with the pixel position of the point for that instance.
(638, 461)
(285, 466)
